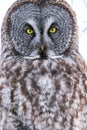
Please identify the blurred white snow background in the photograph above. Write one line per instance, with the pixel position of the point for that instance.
(79, 6)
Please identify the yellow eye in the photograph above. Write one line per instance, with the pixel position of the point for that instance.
(53, 30)
(29, 31)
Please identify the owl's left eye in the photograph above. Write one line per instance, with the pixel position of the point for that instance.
(53, 30)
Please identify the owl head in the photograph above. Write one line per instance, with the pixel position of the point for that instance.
(39, 29)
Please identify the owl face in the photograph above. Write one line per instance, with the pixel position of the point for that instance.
(40, 31)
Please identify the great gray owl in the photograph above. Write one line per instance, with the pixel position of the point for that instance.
(43, 76)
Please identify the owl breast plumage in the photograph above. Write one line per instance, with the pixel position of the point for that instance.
(43, 79)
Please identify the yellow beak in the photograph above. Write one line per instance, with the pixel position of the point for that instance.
(42, 47)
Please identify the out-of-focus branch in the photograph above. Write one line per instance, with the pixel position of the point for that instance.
(84, 30)
(85, 2)
(72, 2)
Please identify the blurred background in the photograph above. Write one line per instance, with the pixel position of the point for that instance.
(79, 6)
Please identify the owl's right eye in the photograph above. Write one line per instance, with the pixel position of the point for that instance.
(29, 29)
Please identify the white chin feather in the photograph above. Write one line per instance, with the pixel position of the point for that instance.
(38, 57)
(32, 57)
(50, 55)
(55, 57)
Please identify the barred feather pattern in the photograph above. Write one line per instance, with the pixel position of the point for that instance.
(44, 94)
